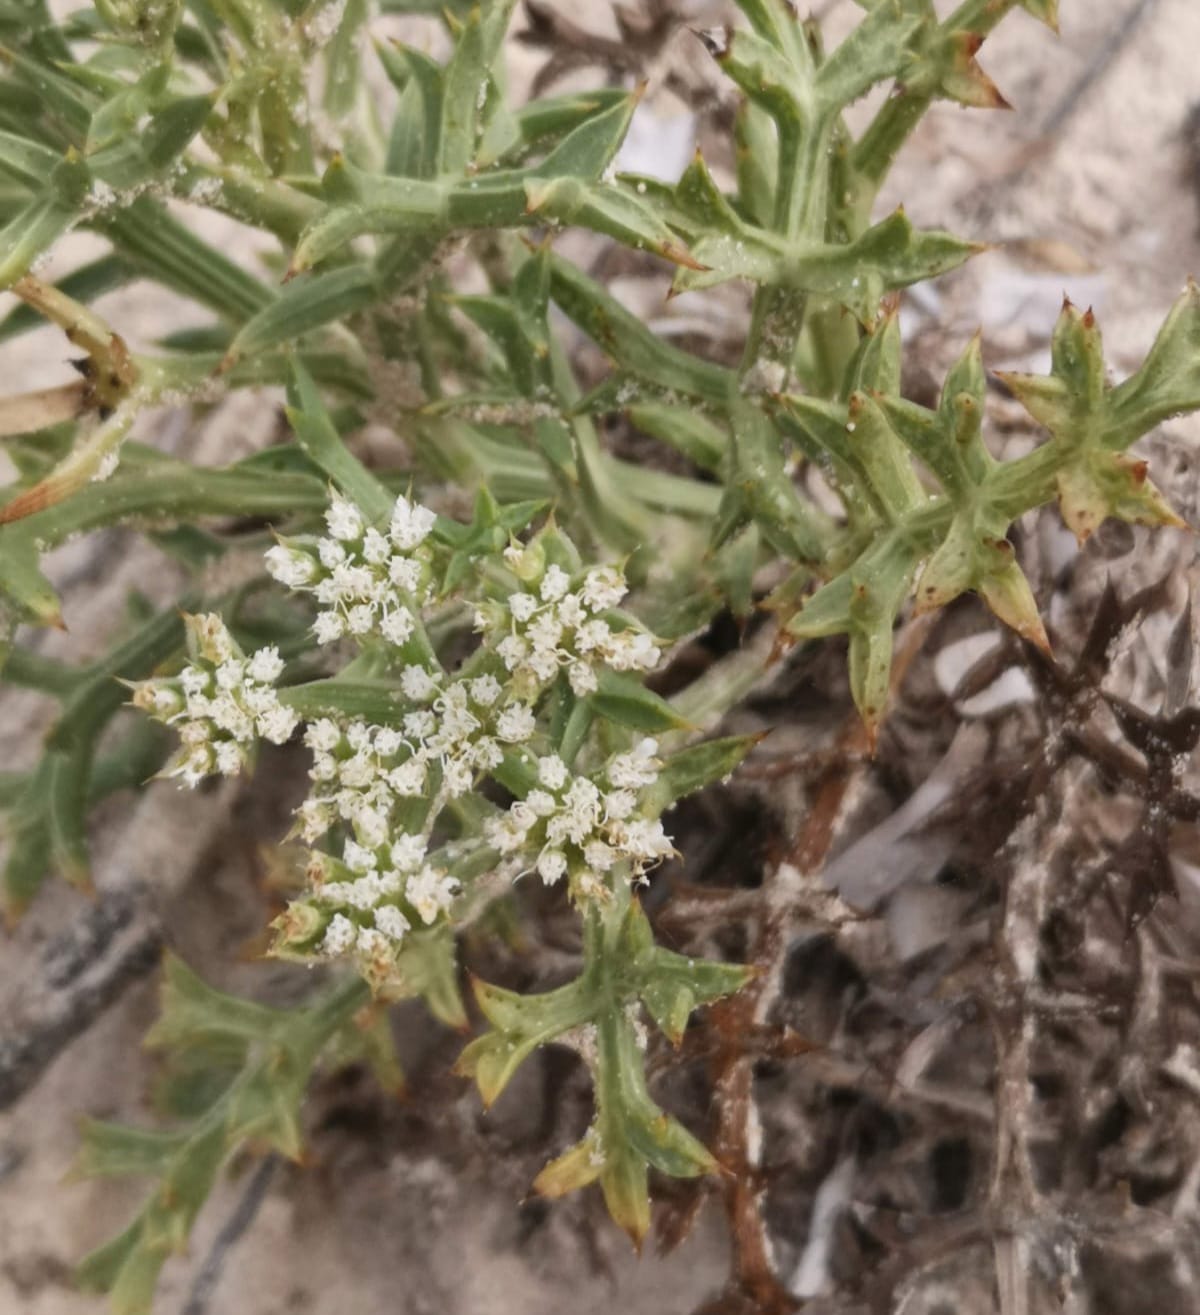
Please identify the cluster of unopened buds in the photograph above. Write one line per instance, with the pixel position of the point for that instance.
(379, 787)
(220, 704)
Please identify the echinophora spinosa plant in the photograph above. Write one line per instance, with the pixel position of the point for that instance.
(469, 673)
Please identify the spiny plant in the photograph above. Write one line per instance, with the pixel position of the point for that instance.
(473, 683)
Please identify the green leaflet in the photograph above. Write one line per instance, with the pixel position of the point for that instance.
(269, 1056)
(1090, 423)
(596, 1013)
(563, 187)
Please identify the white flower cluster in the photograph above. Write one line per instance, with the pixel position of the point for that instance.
(585, 828)
(547, 625)
(220, 703)
(375, 895)
(362, 772)
(366, 582)
(382, 787)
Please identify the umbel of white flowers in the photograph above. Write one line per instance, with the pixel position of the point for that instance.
(365, 582)
(220, 704)
(376, 878)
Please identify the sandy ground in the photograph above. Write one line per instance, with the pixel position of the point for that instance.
(396, 1222)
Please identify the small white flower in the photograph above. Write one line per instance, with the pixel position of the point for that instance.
(230, 674)
(631, 650)
(592, 635)
(405, 573)
(486, 754)
(603, 588)
(542, 802)
(418, 684)
(408, 779)
(504, 834)
(458, 777)
(277, 724)
(543, 663)
(551, 865)
(376, 549)
(331, 553)
(512, 650)
(229, 758)
(316, 817)
(397, 626)
(522, 606)
(420, 725)
(645, 839)
(388, 741)
(344, 520)
(339, 935)
(266, 666)
(431, 892)
(360, 619)
(638, 768)
(391, 922)
(358, 772)
(515, 724)
(195, 732)
(362, 894)
(323, 735)
(485, 690)
(372, 944)
(552, 772)
(545, 632)
(599, 856)
(328, 627)
(351, 581)
(619, 804)
(229, 716)
(358, 858)
(555, 583)
(570, 611)
(408, 852)
(258, 699)
(583, 679)
(292, 568)
(390, 882)
(523, 817)
(193, 680)
(410, 523)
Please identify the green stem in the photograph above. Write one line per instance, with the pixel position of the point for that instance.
(33, 671)
(876, 151)
(335, 1009)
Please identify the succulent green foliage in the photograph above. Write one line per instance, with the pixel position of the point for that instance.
(1091, 424)
(236, 1078)
(47, 807)
(954, 539)
(598, 1014)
